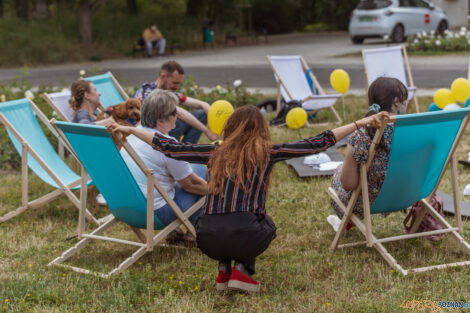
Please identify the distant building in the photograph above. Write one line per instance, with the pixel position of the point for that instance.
(456, 10)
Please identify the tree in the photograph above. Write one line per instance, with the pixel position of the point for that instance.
(87, 9)
(132, 6)
(22, 9)
(40, 9)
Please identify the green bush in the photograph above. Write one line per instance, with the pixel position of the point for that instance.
(432, 42)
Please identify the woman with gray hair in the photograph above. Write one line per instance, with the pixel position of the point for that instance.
(182, 181)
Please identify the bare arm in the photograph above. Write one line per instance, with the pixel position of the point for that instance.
(373, 120)
(192, 121)
(197, 104)
(194, 184)
(349, 172)
(143, 135)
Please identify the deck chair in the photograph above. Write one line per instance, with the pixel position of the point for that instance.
(111, 91)
(422, 145)
(37, 153)
(389, 62)
(132, 207)
(289, 73)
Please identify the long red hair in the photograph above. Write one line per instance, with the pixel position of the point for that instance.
(246, 144)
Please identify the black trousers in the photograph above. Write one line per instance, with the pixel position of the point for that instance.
(238, 236)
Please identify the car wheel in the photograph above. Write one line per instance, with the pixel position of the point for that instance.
(442, 27)
(357, 40)
(398, 33)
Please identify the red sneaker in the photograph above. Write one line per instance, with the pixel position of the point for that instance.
(242, 282)
(222, 281)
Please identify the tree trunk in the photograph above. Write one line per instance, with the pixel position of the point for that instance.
(193, 7)
(1, 8)
(86, 14)
(132, 6)
(22, 9)
(40, 9)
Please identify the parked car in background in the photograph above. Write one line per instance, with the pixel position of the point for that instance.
(395, 18)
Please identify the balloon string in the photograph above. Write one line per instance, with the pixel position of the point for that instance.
(344, 112)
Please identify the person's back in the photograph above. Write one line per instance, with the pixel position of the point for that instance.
(385, 94)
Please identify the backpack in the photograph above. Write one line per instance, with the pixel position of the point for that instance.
(280, 119)
(428, 223)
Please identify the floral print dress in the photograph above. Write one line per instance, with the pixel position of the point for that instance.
(360, 141)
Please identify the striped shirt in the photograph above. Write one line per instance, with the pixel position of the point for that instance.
(235, 197)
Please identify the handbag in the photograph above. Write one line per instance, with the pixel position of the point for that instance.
(428, 223)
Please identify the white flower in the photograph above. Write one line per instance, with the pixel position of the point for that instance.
(29, 94)
(419, 35)
(432, 32)
(415, 41)
(218, 87)
(438, 42)
(237, 83)
(462, 33)
(386, 37)
(54, 114)
(64, 90)
(463, 29)
(3, 98)
(424, 34)
(82, 73)
(427, 41)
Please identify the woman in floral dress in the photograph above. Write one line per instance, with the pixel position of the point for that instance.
(385, 94)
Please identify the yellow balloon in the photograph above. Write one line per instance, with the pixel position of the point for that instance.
(443, 97)
(460, 89)
(339, 80)
(218, 114)
(296, 118)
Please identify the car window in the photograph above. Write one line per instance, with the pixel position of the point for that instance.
(408, 3)
(373, 4)
(422, 4)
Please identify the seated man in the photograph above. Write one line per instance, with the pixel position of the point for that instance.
(189, 126)
(182, 181)
(151, 38)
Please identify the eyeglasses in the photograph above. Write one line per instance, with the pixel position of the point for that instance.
(174, 112)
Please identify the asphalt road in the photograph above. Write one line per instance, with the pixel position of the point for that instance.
(217, 66)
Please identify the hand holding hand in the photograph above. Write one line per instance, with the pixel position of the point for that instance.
(373, 120)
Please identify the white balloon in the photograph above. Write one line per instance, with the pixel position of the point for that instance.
(452, 106)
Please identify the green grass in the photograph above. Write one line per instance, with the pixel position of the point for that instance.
(298, 272)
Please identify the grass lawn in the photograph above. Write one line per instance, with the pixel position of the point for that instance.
(298, 272)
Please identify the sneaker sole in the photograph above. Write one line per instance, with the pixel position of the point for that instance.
(241, 286)
(221, 286)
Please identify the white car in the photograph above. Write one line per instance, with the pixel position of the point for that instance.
(395, 18)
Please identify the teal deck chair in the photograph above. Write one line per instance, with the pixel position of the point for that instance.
(422, 147)
(111, 91)
(124, 197)
(37, 153)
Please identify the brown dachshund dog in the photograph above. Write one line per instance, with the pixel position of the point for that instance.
(126, 113)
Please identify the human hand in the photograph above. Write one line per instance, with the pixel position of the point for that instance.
(373, 120)
(118, 131)
(211, 135)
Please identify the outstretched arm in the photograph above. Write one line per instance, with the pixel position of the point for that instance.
(192, 121)
(373, 120)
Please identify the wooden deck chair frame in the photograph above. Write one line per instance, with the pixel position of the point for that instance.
(147, 241)
(365, 227)
(62, 116)
(321, 91)
(26, 204)
(408, 74)
(116, 85)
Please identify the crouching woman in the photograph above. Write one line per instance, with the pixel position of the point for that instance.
(234, 225)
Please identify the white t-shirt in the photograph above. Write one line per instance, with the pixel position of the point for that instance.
(166, 170)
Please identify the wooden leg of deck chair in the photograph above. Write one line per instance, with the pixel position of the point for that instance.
(380, 248)
(444, 223)
(455, 192)
(415, 100)
(24, 176)
(150, 211)
(82, 243)
(279, 97)
(347, 214)
(340, 120)
(365, 201)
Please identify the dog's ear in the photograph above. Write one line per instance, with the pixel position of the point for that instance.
(120, 110)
